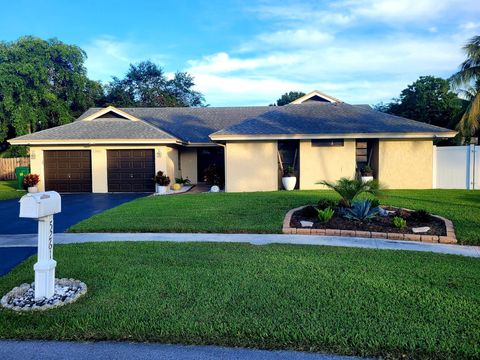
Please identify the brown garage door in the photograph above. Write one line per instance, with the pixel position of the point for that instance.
(131, 170)
(68, 170)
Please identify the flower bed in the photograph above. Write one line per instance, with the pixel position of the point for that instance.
(441, 229)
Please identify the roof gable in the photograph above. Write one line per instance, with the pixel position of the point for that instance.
(110, 112)
(316, 96)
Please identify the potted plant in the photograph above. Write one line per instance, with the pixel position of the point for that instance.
(214, 175)
(30, 181)
(289, 180)
(162, 181)
(366, 173)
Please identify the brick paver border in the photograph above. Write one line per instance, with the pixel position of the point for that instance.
(450, 238)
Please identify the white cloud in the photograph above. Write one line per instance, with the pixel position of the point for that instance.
(348, 12)
(470, 25)
(403, 11)
(359, 50)
(372, 66)
(291, 38)
(109, 57)
(221, 90)
(224, 63)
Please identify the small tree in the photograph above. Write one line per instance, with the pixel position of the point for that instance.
(288, 97)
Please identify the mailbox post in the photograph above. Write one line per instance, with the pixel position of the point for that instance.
(42, 206)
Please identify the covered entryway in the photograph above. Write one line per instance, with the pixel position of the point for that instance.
(68, 170)
(211, 165)
(131, 170)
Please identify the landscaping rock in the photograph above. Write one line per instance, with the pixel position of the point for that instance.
(419, 230)
(306, 223)
(382, 211)
(22, 298)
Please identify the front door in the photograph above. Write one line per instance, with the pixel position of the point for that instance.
(211, 165)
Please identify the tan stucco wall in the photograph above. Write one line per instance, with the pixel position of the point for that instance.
(166, 159)
(330, 163)
(405, 164)
(189, 164)
(251, 166)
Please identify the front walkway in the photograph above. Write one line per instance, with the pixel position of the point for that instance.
(11, 349)
(254, 239)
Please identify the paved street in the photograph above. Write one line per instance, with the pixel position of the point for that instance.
(56, 350)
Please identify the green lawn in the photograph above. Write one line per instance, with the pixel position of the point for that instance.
(264, 212)
(8, 190)
(313, 298)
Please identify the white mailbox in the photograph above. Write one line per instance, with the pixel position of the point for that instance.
(37, 205)
(42, 206)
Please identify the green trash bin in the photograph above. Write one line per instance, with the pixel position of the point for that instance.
(20, 172)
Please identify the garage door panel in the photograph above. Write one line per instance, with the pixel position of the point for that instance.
(68, 170)
(130, 170)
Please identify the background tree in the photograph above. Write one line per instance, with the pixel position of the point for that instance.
(467, 82)
(288, 97)
(43, 83)
(145, 84)
(429, 100)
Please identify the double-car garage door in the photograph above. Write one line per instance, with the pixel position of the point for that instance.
(127, 170)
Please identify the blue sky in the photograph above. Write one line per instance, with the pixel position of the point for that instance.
(250, 52)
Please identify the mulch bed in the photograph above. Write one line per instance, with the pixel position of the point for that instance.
(378, 224)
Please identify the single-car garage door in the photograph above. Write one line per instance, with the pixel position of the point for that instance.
(131, 170)
(68, 170)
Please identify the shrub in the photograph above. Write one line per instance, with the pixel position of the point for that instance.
(161, 179)
(325, 215)
(289, 171)
(214, 175)
(309, 212)
(349, 189)
(366, 170)
(31, 180)
(399, 222)
(375, 203)
(326, 203)
(361, 210)
(420, 215)
(183, 181)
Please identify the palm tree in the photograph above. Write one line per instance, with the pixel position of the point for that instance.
(467, 82)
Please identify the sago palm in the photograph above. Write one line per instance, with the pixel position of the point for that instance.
(467, 82)
(349, 189)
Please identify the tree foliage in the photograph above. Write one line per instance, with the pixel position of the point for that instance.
(429, 100)
(288, 97)
(145, 84)
(467, 83)
(43, 83)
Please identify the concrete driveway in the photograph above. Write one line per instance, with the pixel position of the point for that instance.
(75, 208)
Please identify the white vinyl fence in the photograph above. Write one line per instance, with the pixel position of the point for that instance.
(456, 167)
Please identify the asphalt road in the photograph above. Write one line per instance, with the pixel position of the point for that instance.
(12, 256)
(56, 350)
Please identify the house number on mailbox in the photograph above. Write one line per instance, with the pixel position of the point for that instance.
(50, 238)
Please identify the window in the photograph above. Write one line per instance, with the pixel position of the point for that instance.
(327, 142)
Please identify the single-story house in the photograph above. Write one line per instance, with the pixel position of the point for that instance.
(323, 138)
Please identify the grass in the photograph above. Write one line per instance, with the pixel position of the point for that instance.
(8, 190)
(264, 212)
(313, 298)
